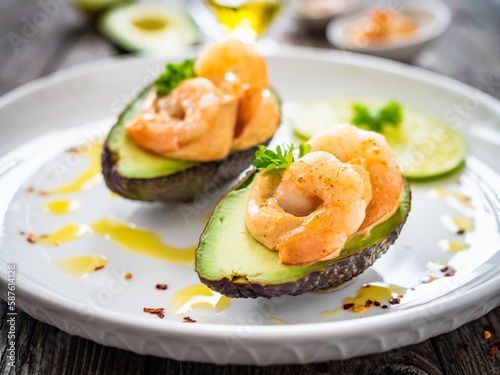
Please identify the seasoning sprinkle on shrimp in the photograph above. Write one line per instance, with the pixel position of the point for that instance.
(226, 107)
(369, 149)
(171, 122)
(237, 68)
(317, 205)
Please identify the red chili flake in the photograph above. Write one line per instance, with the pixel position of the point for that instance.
(385, 306)
(347, 306)
(367, 285)
(31, 240)
(30, 189)
(22, 233)
(394, 301)
(161, 286)
(153, 310)
(460, 231)
(44, 192)
(423, 354)
(464, 345)
(127, 276)
(368, 303)
(447, 271)
(376, 303)
(453, 359)
(187, 319)
(493, 350)
(99, 268)
(160, 315)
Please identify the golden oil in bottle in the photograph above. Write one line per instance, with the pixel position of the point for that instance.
(245, 20)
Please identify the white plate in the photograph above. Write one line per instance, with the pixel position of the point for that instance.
(44, 118)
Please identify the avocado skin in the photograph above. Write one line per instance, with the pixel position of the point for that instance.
(333, 275)
(182, 186)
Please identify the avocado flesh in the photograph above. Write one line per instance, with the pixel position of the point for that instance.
(149, 28)
(138, 174)
(230, 261)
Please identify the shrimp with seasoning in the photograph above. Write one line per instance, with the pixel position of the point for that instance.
(230, 64)
(347, 183)
(169, 123)
(227, 107)
(312, 211)
(370, 151)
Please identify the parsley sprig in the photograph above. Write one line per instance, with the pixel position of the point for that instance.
(389, 115)
(269, 160)
(173, 75)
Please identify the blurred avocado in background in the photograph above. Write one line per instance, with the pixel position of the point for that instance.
(92, 8)
(152, 28)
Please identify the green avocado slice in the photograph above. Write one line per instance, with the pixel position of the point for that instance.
(149, 28)
(229, 260)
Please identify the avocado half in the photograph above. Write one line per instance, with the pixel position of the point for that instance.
(230, 261)
(151, 28)
(138, 174)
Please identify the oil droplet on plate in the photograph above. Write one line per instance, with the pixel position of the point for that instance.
(448, 246)
(456, 199)
(198, 296)
(372, 294)
(141, 241)
(277, 322)
(61, 206)
(69, 232)
(458, 224)
(329, 314)
(91, 177)
(81, 265)
(112, 195)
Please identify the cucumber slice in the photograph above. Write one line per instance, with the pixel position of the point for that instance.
(424, 146)
(150, 28)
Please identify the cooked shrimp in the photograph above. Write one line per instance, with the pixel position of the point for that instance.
(219, 60)
(311, 212)
(231, 62)
(170, 123)
(356, 146)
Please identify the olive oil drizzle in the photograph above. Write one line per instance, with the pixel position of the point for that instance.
(81, 265)
(92, 175)
(384, 294)
(127, 236)
(197, 296)
(66, 233)
(61, 206)
(141, 241)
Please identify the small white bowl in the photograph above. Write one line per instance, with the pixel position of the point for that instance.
(432, 16)
(317, 19)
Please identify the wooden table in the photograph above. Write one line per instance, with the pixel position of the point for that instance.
(469, 52)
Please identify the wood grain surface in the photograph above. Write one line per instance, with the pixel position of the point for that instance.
(469, 52)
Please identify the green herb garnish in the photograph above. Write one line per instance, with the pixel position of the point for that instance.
(173, 76)
(390, 114)
(268, 159)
